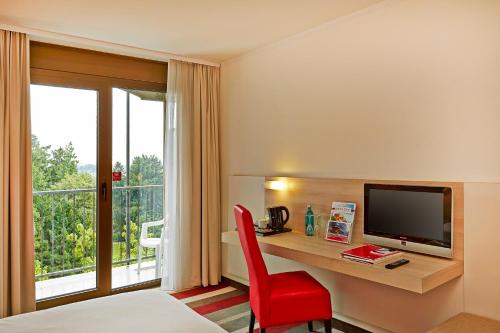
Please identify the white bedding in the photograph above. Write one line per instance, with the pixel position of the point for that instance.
(145, 311)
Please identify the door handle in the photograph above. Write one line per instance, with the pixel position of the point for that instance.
(104, 191)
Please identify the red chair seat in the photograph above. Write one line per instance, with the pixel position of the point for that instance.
(297, 297)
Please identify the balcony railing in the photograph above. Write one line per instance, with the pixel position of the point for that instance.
(65, 227)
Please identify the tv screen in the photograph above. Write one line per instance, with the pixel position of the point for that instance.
(417, 214)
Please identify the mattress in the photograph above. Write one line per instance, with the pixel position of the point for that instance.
(145, 311)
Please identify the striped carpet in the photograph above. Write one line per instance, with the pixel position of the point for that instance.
(228, 307)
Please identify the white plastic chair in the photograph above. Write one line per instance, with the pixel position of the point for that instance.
(155, 243)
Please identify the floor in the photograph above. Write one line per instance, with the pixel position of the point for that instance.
(121, 276)
(228, 307)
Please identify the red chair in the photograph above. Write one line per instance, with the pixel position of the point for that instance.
(284, 298)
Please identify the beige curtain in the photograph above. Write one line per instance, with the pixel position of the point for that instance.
(17, 275)
(192, 176)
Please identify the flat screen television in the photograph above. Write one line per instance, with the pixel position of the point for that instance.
(412, 218)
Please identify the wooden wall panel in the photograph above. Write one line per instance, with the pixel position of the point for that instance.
(320, 192)
(68, 59)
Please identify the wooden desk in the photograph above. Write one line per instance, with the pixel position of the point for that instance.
(422, 274)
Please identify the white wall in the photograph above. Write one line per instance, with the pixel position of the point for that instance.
(403, 90)
(482, 266)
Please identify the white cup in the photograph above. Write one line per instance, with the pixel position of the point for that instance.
(262, 223)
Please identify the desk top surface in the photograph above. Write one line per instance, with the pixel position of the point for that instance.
(422, 274)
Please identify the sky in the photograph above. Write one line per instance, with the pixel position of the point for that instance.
(60, 115)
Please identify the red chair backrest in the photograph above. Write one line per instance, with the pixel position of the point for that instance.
(257, 271)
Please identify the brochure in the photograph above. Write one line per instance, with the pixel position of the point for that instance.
(340, 225)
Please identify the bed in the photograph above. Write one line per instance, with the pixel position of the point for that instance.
(145, 311)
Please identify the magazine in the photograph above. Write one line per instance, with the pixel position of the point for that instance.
(340, 225)
(371, 254)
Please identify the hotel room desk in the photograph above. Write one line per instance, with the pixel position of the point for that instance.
(422, 274)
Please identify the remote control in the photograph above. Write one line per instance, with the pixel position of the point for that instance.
(397, 263)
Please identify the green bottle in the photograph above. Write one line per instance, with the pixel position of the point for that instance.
(309, 221)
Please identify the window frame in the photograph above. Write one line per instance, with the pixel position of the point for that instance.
(61, 66)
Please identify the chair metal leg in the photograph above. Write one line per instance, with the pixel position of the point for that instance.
(328, 326)
(139, 259)
(252, 321)
(310, 326)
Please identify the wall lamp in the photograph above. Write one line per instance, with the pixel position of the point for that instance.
(278, 185)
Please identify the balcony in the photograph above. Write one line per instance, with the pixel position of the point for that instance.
(65, 237)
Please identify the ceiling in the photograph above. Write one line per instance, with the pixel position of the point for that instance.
(213, 30)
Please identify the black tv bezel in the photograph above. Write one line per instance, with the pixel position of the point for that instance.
(447, 207)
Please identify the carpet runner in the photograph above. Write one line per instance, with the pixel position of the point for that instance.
(228, 307)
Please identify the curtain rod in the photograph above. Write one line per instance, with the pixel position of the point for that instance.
(40, 35)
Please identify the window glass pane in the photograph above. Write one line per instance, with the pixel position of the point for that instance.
(137, 186)
(64, 149)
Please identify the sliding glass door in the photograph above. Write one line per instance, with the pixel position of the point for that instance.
(65, 200)
(97, 125)
(97, 185)
(138, 217)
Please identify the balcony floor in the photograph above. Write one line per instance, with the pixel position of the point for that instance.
(121, 276)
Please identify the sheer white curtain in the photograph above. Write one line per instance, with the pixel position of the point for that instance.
(192, 179)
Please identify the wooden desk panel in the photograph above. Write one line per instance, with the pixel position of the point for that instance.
(422, 274)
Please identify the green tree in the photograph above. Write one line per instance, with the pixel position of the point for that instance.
(64, 223)
(82, 180)
(146, 204)
(82, 243)
(40, 164)
(119, 204)
(146, 170)
(62, 162)
(134, 240)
